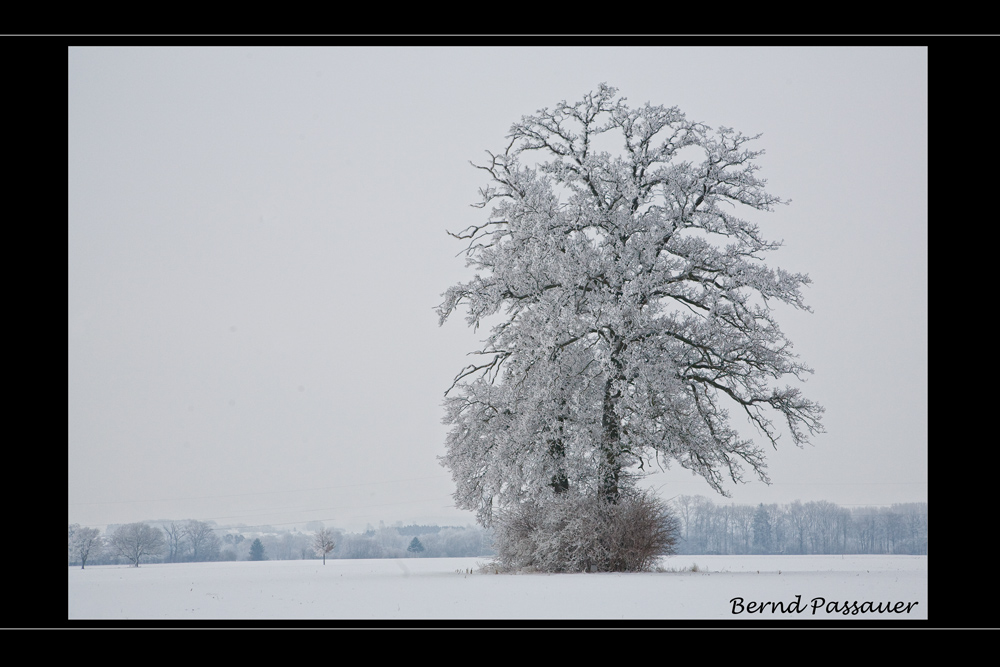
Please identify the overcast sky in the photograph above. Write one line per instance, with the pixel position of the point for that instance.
(257, 242)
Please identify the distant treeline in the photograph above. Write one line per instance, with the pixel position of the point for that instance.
(817, 527)
(705, 528)
(197, 541)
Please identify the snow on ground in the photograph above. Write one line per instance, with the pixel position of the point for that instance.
(868, 587)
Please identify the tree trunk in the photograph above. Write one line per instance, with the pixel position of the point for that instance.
(610, 440)
(557, 450)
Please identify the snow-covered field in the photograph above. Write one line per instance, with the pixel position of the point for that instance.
(807, 587)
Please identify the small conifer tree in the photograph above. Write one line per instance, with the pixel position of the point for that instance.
(257, 550)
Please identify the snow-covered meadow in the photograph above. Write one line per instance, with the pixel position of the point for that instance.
(792, 588)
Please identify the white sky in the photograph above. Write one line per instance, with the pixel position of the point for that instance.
(257, 243)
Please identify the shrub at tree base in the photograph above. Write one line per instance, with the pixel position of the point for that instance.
(571, 532)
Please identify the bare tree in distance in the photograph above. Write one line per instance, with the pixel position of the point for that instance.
(84, 542)
(174, 533)
(323, 542)
(202, 539)
(632, 311)
(135, 541)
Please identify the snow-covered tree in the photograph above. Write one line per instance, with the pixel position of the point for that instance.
(630, 310)
(84, 543)
(135, 541)
(415, 546)
(174, 535)
(323, 542)
(202, 539)
(257, 550)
